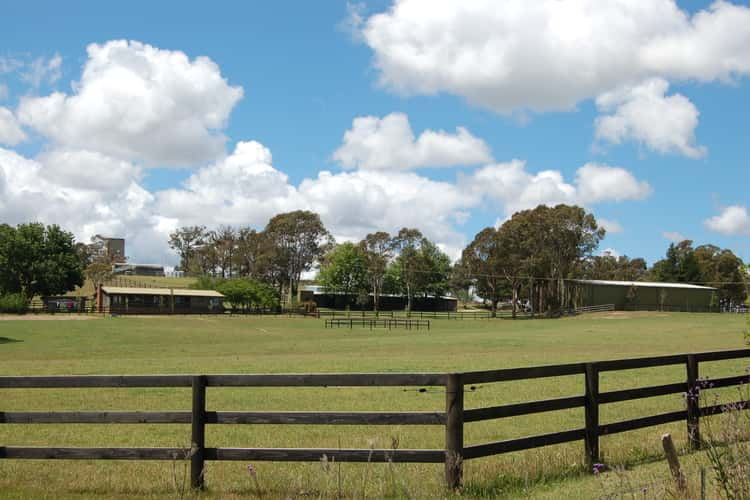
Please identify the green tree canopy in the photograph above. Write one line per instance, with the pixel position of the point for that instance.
(482, 261)
(377, 250)
(186, 241)
(244, 293)
(38, 260)
(344, 271)
(298, 240)
(420, 267)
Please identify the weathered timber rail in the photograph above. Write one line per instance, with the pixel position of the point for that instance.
(389, 323)
(452, 419)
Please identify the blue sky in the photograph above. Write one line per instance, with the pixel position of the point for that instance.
(639, 113)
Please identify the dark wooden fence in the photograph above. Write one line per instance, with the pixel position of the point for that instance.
(453, 418)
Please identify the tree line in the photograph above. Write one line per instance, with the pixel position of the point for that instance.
(296, 242)
(528, 261)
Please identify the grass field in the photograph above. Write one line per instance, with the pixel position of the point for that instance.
(129, 345)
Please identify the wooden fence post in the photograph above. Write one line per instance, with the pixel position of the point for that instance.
(197, 452)
(454, 430)
(693, 403)
(592, 414)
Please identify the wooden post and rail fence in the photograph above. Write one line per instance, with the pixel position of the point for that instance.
(453, 418)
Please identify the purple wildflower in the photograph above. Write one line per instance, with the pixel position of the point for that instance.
(598, 468)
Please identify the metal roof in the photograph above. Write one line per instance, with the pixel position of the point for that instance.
(646, 284)
(182, 292)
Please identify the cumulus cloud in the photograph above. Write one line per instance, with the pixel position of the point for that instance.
(29, 191)
(389, 143)
(87, 170)
(515, 187)
(89, 192)
(10, 131)
(644, 113)
(243, 188)
(547, 54)
(139, 103)
(673, 236)
(604, 183)
(732, 221)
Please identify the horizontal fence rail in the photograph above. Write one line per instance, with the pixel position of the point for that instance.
(453, 419)
(389, 323)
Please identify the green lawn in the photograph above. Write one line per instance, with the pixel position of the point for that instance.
(277, 345)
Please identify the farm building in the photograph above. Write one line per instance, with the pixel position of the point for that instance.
(388, 302)
(646, 295)
(126, 300)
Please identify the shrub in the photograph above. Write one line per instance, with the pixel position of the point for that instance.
(13, 303)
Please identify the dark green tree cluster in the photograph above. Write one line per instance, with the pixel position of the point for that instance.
(705, 265)
(533, 253)
(290, 244)
(37, 260)
(407, 263)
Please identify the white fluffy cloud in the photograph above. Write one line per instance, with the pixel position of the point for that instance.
(87, 170)
(389, 143)
(732, 221)
(604, 183)
(31, 191)
(104, 196)
(549, 54)
(243, 188)
(10, 131)
(135, 103)
(138, 102)
(644, 113)
(512, 185)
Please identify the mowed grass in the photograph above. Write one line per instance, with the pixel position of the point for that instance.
(129, 345)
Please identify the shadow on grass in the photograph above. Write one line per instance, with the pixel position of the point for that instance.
(7, 340)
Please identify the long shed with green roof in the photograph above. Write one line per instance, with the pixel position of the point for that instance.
(647, 295)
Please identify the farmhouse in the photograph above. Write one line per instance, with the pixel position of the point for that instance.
(647, 295)
(126, 300)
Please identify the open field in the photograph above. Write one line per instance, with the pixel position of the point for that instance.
(276, 345)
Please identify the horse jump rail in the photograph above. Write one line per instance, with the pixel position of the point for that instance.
(389, 323)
